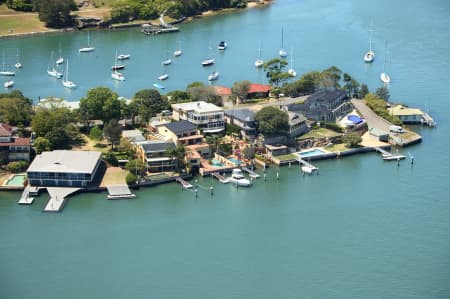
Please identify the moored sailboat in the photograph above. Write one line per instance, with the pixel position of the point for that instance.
(282, 52)
(384, 76)
(370, 55)
(65, 80)
(259, 62)
(89, 48)
(51, 70)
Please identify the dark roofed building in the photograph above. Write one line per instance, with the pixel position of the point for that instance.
(324, 105)
(243, 118)
(181, 132)
(13, 148)
(154, 153)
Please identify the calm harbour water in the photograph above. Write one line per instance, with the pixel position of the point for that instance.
(363, 228)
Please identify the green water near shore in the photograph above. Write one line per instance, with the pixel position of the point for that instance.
(363, 228)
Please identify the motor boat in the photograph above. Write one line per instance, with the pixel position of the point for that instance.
(8, 84)
(123, 56)
(213, 76)
(208, 62)
(117, 76)
(238, 178)
(222, 45)
(118, 67)
(163, 77)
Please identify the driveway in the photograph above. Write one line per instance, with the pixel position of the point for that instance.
(373, 120)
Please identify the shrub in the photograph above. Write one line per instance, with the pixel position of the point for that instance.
(111, 158)
(17, 166)
(333, 127)
(351, 139)
(131, 179)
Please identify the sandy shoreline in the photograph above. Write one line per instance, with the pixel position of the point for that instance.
(204, 14)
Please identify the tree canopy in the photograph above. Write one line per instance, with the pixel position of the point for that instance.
(272, 121)
(148, 103)
(240, 89)
(56, 125)
(274, 71)
(15, 109)
(56, 13)
(101, 103)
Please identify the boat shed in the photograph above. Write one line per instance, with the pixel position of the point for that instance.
(380, 134)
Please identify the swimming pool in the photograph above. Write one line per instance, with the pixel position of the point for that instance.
(235, 161)
(216, 163)
(310, 153)
(16, 180)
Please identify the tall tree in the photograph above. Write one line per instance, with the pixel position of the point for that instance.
(272, 121)
(274, 71)
(101, 103)
(15, 109)
(56, 13)
(383, 93)
(56, 125)
(240, 89)
(149, 102)
(112, 132)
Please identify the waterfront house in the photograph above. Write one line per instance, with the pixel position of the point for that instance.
(223, 92)
(13, 148)
(181, 132)
(64, 168)
(326, 104)
(276, 150)
(257, 91)
(155, 154)
(407, 115)
(208, 117)
(297, 124)
(243, 118)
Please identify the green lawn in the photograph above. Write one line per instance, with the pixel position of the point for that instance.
(286, 157)
(337, 148)
(319, 133)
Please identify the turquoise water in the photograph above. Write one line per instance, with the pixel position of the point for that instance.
(360, 229)
(16, 180)
(234, 160)
(310, 153)
(216, 163)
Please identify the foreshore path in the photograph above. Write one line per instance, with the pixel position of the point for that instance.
(373, 120)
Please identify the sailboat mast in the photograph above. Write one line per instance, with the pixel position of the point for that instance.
(385, 54)
(282, 33)
(370, 37)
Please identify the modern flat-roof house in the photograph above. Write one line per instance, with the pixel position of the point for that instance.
(13, 148)
(407, 115)
(208, 117)
(324, 105)
(133, 136)
(64, 168)
(154, 153)
(243, 118)
(181, 132)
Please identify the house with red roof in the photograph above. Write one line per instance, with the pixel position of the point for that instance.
(13, 148)
(258, 91)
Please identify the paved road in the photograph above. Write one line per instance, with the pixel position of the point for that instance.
(373, 120)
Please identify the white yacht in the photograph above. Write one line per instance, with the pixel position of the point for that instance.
(65, 80)
(384, 76)
(222, 45)
(18, 65)
(291, 70)
(238, 178)
(213, 76)
(178, 51)
(282, 52)
(60, 59)
(51, 69)
(5, 72)
(163, 77)
(123, 56)
(259, 62)
(370, 55)
(89, 48)
(117, 76)
(207, 62)
(8, 84)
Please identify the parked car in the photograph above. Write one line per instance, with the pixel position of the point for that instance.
(396, 129)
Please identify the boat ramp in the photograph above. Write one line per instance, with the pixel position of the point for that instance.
(58, 197)
(119, 192)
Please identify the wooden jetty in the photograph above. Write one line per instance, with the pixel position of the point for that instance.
(251, 173)
(220, 177)
(119, 192)
(186, 185)
(427, 120)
